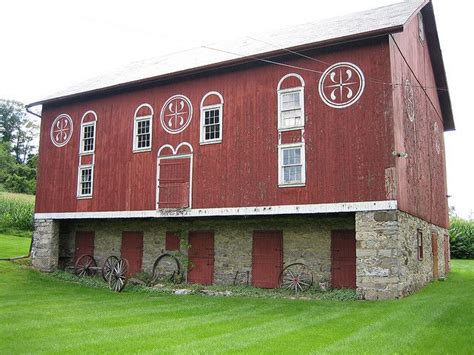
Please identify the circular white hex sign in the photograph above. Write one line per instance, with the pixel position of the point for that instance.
(61, 130)
(176, 114)
(341, 85)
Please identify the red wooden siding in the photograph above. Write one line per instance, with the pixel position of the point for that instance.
(347, 150)
(84, 244)
(132, 250)
(172, 241)
(422, 186)
(343, 259)
(174, 182)
(434, 248)
(447, 256)
(201, 258)
(267, 259)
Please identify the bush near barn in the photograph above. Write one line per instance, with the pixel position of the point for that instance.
(461, 234)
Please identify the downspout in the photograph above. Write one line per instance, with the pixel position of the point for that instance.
(27, 108)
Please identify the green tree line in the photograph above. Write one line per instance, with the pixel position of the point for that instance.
(18, 153)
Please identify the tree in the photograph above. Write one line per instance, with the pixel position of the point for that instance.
(18, 129)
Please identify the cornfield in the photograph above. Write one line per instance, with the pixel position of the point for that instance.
(16, 212)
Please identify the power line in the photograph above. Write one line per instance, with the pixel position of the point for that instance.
(308, 69)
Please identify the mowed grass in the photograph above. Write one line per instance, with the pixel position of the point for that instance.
(11, 245)
(39, 313)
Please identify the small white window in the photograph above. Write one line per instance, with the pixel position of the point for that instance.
(142, 128)
(291, 102)
(292, 165)
(85, 181)
(88, 137)
(211, 119)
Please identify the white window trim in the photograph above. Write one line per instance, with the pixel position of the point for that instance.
(79, 195)
(282, 147)
(203, 139)
(83, 127)
(299, 89)
(137, 119)
(220, 106)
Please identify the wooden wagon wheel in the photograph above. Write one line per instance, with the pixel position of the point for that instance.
(108, 267)
(167, 269)
(118, 275)
(296, 277)
(85, 266)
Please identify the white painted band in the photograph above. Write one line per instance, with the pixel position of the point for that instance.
(231, 211)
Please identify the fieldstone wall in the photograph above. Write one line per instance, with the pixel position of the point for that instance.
(387, 257)
(45, 248)
(305, 239)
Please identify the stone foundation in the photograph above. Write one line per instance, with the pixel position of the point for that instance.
(387, 257)
(45, 251)
(305, 239)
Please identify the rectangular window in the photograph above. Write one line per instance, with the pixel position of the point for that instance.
(88, 137)
(172, 241)
(291, 108)
(142, 136)
(211, 124)
(292, 165)
(85, 179)
(419, 244)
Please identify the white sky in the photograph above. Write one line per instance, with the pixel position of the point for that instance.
(47, 45)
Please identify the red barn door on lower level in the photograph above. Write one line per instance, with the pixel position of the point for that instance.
(267, 259)
(446, 253)
(84, 244)
(434, 249)
(201, 258)
(132, 250)
(343, 259)
(174, 182)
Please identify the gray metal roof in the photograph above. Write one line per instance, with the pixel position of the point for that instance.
(379, 20)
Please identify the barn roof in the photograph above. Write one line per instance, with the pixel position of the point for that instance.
(364, 24)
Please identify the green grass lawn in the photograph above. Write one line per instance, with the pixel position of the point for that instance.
(40, 313)
(11, 245)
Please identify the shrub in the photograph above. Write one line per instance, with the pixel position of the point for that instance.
(461, 234)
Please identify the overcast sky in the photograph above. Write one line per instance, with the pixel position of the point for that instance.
(48, 45)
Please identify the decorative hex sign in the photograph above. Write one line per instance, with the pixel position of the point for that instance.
(341, 85)
(409, 100)
(176, 114)
(437, 138)
(61, 130)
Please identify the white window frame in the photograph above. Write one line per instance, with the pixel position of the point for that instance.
(220, 107)
(136, 120)
(280, 93)
(83, 126)
(281, 148)
(79, 181)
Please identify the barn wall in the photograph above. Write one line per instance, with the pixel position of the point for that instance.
(387, 256)
(305, 239)
(422, 186)
(348, 151)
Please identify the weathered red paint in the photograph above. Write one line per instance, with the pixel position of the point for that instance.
(174, 182)
(422, 185)
(201, 258)
(132, 250)
(267, 258)
(84, 244)
(343, 259)
(172, 241)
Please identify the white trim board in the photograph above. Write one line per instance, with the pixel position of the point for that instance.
(231, 211)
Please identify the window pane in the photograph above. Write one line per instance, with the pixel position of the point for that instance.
(143, 137)
(290, 100)
(292, 156)
(211, 125)
(88, 138)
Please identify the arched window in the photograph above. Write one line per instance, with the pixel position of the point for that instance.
(211, 118)
(290, 92)
(88, 123)
(142, 128)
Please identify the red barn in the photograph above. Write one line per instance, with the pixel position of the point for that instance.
(321, 145)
